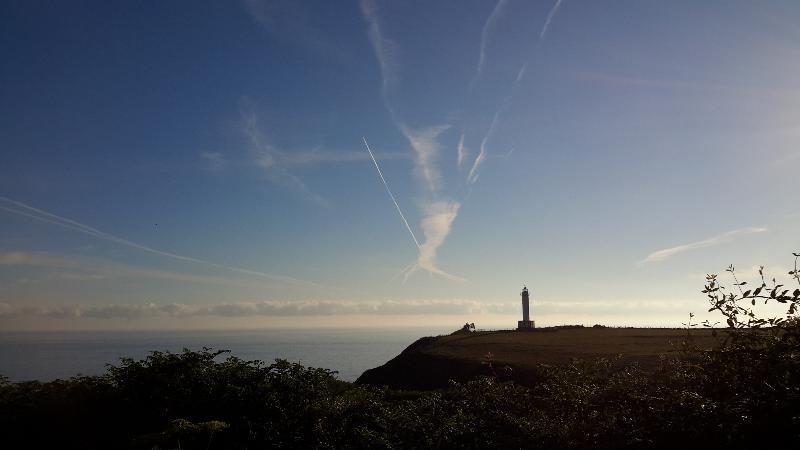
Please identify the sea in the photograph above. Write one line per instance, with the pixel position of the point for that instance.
(47, 356)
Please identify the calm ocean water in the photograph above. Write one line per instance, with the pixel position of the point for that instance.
(51, 355)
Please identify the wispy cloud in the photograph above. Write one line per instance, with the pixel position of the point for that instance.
(214, 161)
(472, 177)
(36, 259)
(547, 21)
(473, 174)
(262, 308)
(436, 225)
(291, 22)
(270, 160)
(438, 215)
(426, 147)
(384, 48)
(488, 26)
(80, 267)
(521, 73)
(24, 210)
(425, 143)
(462, 151)
(660, 255)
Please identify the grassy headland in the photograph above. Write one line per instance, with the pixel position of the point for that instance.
(431, 362)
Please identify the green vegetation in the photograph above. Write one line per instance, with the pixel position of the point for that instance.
(743, 393)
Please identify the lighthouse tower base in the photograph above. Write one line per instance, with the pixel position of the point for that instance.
(526, 325)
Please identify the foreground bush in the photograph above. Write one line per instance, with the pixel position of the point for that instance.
(741, 395)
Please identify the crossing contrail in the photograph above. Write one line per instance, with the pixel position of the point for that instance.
(385, 184)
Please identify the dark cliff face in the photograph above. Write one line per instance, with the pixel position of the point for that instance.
(414, 368)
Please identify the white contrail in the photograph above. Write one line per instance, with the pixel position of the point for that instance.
(487, 27)
(386, 185)
(472, 177)
(665, 253)
(43, 219)
(25, 210)
(550, 16)
(521, 73)
(385, 52)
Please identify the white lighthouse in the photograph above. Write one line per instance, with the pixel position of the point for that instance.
(526, 323)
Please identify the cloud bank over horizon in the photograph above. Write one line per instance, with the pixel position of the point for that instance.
(261, 308)
(542, 310)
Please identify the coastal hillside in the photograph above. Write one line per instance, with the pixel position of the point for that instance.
(431, 362)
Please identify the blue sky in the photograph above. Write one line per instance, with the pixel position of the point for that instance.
(202, 164)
